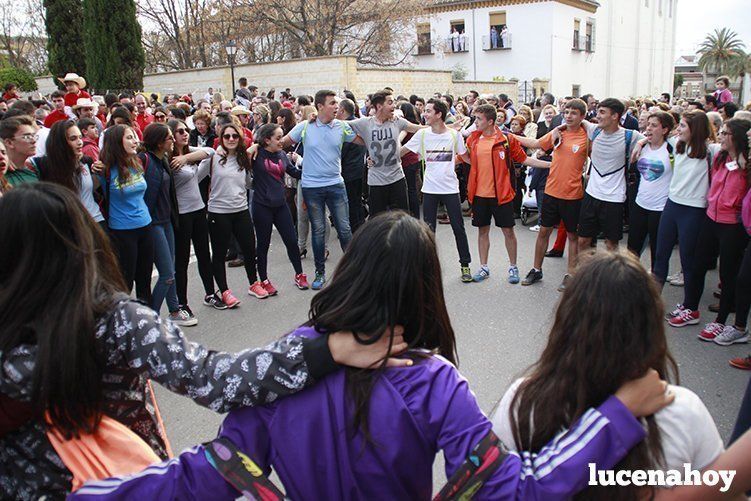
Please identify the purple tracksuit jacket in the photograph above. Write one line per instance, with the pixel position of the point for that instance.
(414, 413)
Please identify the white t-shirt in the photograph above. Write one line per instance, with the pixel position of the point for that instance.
(656, 172)
(438, 151)
(608, 155)
(687, 430)
(690, 183)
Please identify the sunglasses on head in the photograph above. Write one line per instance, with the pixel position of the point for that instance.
(231, 136)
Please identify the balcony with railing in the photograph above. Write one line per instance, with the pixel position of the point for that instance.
(500, 42)
(457, 44)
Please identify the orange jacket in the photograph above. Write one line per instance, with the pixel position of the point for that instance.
(503, 167)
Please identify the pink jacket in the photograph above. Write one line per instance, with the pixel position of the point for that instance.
(726, 192)
(746, 212)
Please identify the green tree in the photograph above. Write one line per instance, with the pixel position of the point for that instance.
(722, 52)
(64, 38)
(19, 76)
(677, 81)
(114, 54)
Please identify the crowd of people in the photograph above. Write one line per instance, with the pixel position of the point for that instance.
(97, 192)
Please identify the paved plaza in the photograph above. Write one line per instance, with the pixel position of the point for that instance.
(500, 330)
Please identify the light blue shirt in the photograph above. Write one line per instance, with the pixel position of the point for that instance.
(322, 165)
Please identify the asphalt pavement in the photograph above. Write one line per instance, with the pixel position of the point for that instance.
(500, 329)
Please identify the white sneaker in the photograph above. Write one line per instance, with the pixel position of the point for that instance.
(534, 228)
(731, 335)
(677, 280)
(183, 318)
(674, 276)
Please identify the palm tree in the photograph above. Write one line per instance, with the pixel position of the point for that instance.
(722, 52)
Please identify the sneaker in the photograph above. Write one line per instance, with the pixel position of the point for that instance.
(303, 253)
(443, 219)
(258, 290)
(183, 318)
(269, 287)
(466, 274)
(677, 280)
(677, 311)
(229, 299)
(534, 228)
(236, 263)
(554, 253)
(685, 317)
(513, 275)
(711, 331)
(564, 282)
(481, 275)
(532, 277)
(743, 363)
(675, 276)
(214, 301)
(301, 281)
(731, 335)
(319, 280)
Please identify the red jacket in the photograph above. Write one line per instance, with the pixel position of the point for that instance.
(71, 99)
(54, 116)
(91, 148)
(726, 192)
(502, 165)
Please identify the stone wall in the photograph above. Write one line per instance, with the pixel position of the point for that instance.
(306, 76)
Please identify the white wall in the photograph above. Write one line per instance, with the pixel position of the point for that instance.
(633, 47)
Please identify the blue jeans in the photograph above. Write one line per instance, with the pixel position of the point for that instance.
(164, 259)
(317, 199)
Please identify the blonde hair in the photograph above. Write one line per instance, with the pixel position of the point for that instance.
(306, 111)
(548, 106)
(526, 112)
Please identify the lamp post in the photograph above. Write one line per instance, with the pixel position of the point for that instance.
(231, 49)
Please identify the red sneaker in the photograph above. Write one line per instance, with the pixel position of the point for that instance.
(743, 363)
(269, 287)
(685, 317)
(711, 331)
(301, 281)
(229, 299)
(256, 289)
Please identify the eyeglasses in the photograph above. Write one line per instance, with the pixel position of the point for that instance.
(231, 136)
(181, 131)
(28, 137)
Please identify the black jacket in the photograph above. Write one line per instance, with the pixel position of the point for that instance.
(210, 137)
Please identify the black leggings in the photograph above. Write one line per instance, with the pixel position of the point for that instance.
(413, 197)
(743, 289)
(263, 219)
(454, 209)
(731, 241)
(193, 227)
(135, 251)
(643, 223)
(221, 228)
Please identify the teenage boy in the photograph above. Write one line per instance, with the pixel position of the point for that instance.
(387, 186)
(490, 191)
(58, 114)
(438, 147)
(564, 189)
(604, 199)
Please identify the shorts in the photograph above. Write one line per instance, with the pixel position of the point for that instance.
(485, 208)
(599, 216)
(555, 210)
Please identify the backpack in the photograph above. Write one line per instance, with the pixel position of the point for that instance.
(629, 134)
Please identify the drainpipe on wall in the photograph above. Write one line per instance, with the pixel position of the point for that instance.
(474, 47)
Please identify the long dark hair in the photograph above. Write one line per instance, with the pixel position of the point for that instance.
(738, 134)
(63, 166)
(173, 124)
(113, 154)
(410, 114)
(241, 154)
(586, 360)
(120, 112)
(390, 275)
(698, 124)
(154, 135)
(54, 254)
(289, 120)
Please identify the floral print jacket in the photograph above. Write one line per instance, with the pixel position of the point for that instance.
(138, 346)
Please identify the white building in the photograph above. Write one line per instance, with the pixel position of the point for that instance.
(610, 48)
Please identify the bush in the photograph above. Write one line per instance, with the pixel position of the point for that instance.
(19, 76)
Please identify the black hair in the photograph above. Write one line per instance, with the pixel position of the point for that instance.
(390, 275)
(303, 101)
(179, 113)
(666, 95)
(503, 97)
(379, 98)
(730, 108)
(243, 81)
(63, 166)
(55, 254)
(264, 133)
(410, 114)
(85, 123)
(110, 98)
(614, 105)
(710, 99)
(154, 135)
(321, 95)
(120, 112)
(440, 107)
(57, 95)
